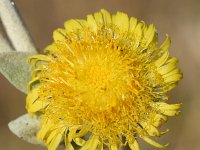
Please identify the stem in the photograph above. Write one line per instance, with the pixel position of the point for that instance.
(15, 28)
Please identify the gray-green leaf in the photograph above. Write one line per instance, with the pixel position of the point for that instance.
(26, 128)
(14, 66)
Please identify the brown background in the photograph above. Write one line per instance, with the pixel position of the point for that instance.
(179, 18)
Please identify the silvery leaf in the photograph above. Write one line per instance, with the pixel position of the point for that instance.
(14, 66)
(26, 128)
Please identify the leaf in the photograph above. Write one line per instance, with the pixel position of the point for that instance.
(14, 66)
(26, 128)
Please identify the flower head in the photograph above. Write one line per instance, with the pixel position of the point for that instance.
(103, 83)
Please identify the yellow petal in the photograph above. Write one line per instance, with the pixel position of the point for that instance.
(113, 147)
(121, 20)
(173, 78)
(167, 109)
(73, 25)
(151, 130)
(170, 112)
(100, 146)
(72, 132)
(79, 141)
(54, 138)
(98, 18)
(69, 146)
(51, 48)
(92, 143)
(67, 143)
(148, 35)
(91, 23)
(162, 105)
(32, 96)
(55, 142)
(106, 16)
(132, 24)
(162, 59)
(164, 132)
(34, 59)
(134, 145)
(36, 106)
(51, 136)
(82, 22)
(158, 119)
(166, 44)
(167, 68)
(175, 71)
(138, 34)
(32, 104)
(150, 141)
(32, 83)
(45, 128)
(171, 86)
(83, 131)
(35, 72)
(60, 35)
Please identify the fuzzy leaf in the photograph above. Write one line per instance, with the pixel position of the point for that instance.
(14, 66)
(26, 128)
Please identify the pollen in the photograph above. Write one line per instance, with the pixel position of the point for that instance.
(103, 82)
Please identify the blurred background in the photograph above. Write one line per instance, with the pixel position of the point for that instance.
(178, 18)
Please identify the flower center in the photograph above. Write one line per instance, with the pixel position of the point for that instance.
(98, 77)
(101, 79)
(94, 82)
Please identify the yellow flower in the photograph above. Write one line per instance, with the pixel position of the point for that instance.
(103, 83)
